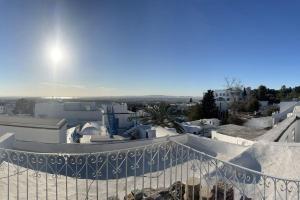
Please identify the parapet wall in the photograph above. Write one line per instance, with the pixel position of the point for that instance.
(208, 146)
(87, 148)
(7, 140)
(286, 131)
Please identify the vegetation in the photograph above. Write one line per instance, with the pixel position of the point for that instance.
(243, 101)
(161, 115)
(195, 112)
(233, 119)
(263, 93)
(134, 107)
(235, 88)
(248, 105)
(248, 102)
(271, 110)
(207, 108)
(24, 106)
(252, 105)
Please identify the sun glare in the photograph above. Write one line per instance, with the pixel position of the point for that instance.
(57, 54)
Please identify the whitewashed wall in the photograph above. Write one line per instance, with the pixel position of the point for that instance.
(261, 123)
(36, 134)
(234, 140)
(56, 110)
(292, 133)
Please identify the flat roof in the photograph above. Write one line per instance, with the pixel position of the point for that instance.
(99, 138)
(32, 122)
(240, 131)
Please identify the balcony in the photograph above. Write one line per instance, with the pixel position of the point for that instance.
(166, 169)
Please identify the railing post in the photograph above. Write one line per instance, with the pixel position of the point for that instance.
(66, 164)
(27, 167)
(86, 177)
(171, 163)
(143, 173)
(275, 188)
(200, 171)
(150, 163)
(126, 168)
(107, 163)
(8, 183)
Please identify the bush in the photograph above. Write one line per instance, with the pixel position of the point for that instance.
(271, 110)
(252, 105)
(234, 119)
(195, 112)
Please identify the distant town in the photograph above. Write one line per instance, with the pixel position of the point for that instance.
(111, 141)
(89, 120)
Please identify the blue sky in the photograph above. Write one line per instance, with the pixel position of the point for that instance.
(143, 47)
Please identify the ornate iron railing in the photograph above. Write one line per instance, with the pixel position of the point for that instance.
(167, 168)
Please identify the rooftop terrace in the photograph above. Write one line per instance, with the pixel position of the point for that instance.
(240, 131)
(31, 122)
(224, 171)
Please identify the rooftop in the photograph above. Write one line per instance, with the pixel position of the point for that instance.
(31, 122)
(240, 131)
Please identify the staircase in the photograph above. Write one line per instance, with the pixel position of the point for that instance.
(112, 126)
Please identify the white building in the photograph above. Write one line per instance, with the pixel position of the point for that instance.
(2, 109)
(73, 112)
(190, 128)
(141, 132)
(225, 97)
(164, 131)
(34, 129)
(211, 121)
(116, 117)
(184, 106)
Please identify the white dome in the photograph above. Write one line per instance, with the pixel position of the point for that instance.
(90, 128)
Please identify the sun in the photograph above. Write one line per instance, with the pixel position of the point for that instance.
(56, 53)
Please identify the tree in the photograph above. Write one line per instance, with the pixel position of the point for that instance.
(234, 87)
(262, 93)
(24, 106)
(191, 100)
(283, 92)
(161, 115)
(209, 107)
(252, 105)
(244, 94)
(195, 112)
(297, 89)
(234, 119)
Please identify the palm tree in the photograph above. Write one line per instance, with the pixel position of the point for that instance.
(161, 115)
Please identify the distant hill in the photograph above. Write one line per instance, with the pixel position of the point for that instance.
(145, 98)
